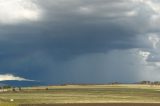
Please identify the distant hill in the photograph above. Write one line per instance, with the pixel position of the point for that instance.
(1, 84)
(22, 83)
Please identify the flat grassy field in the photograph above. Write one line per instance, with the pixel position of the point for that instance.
(82, 94)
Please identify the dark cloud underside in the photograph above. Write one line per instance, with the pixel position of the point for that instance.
(81, 41)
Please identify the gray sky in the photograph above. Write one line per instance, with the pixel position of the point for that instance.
(80, 41)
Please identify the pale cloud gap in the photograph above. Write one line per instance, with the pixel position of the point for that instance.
(16, 11)
(8, 77)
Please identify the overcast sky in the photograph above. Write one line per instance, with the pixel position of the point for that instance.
(80, 41)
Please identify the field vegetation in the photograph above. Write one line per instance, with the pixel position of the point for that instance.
(118, 93)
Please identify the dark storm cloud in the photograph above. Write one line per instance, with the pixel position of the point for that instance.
(66, 31)
(66, 28)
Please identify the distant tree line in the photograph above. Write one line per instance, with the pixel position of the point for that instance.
(9, 88)
(5, 87)
(150, 82)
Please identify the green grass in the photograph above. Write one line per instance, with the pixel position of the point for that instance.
(8, 104)
(83, 94)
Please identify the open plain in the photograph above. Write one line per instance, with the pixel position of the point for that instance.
(83, 95)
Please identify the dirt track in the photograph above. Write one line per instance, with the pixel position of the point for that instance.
(102, 104)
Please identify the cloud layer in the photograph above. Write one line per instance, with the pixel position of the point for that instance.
(15, 11)
(7, 77)
(82, 41)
